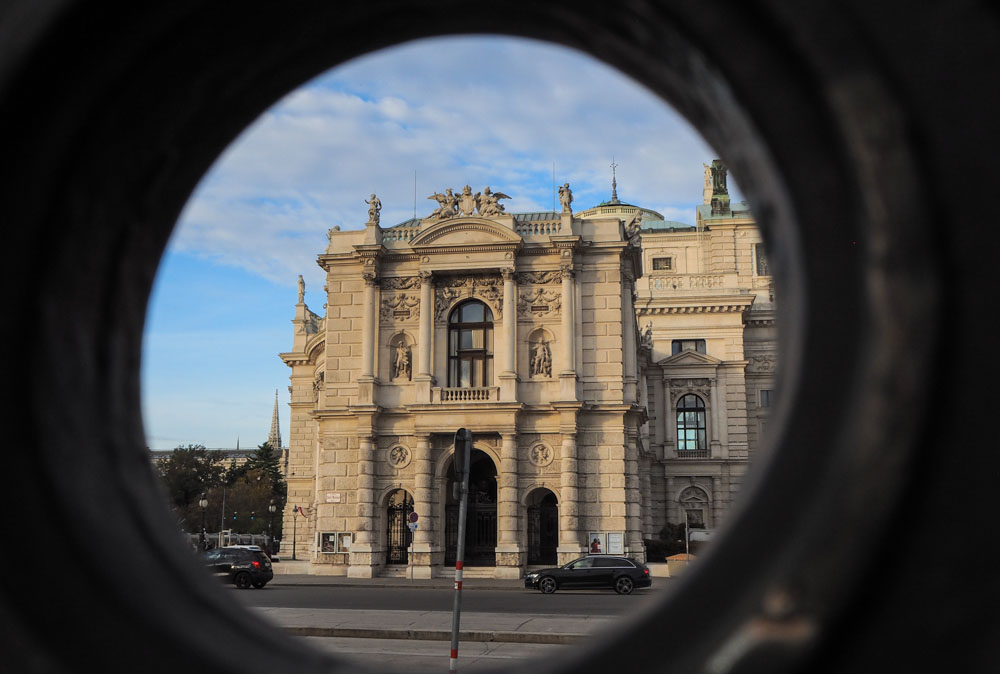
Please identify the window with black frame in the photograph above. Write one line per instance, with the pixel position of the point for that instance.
(692, 434)
(470, 345)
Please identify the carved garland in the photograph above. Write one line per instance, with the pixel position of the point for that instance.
(485, 287)
(539, 302)
(399, 307)
(681, 387)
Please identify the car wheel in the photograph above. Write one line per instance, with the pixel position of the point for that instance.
(624, 585)
(242, 580)
(259, 584)
(547, 585)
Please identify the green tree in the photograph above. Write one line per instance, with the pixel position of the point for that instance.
(187, 473)
(252, 487)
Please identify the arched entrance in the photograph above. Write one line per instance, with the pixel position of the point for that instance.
(397, 547)
(543, 527)
(481, 519)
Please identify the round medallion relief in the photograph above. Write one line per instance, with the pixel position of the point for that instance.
(540, 455)
(399, 457)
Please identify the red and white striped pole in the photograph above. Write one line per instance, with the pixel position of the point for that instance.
(463, 452)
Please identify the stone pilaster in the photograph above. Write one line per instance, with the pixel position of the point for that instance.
(628, 341)
(567, 375)
(570, 536)
(362, 557)
(510, 556)
(423, 379)
(367, 380)
(508, 369)
(424, 506)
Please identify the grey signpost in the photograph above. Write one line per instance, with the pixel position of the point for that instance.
(463, 452)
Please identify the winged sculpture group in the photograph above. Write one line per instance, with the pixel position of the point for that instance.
(451, 205)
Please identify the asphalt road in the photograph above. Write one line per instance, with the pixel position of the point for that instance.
(575, 602)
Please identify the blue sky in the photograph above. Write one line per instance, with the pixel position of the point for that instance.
(454, 111)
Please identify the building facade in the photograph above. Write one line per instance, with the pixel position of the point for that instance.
(589, 433)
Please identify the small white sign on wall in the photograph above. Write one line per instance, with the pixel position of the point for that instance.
(333, 497)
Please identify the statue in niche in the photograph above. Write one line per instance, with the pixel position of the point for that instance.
(566, 198)
(447, 205)
(541, 359)
(374, 209)
(302, 289)
(646, 336)
(489, 202)
(634, 229)
(401, 362)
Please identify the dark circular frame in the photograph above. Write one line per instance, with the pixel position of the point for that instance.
(853, 128)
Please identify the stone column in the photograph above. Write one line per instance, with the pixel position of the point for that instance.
(510, 557)
(363, 549)
(567, 376)
(423, 378)
(569, 508)
(628, 341)
(660, 421)
(423, 505)
(633, 496)
(508, 364)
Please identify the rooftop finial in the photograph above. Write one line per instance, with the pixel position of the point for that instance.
(614, 182)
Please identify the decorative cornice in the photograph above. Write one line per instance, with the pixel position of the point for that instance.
(694, 309)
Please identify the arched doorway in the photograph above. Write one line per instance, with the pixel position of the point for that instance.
(543, 527)
(397, 547)
(481, 519)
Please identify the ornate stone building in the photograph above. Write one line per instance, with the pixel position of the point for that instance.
(522, 328)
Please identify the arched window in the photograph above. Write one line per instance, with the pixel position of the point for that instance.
(692, 435)
(470, 345)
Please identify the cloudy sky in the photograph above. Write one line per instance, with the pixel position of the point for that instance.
(403, 123)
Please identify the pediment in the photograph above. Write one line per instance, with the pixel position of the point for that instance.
(465, 231)
(690, 358)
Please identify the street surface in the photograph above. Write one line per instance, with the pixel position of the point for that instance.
(430, 608)
(569, 602)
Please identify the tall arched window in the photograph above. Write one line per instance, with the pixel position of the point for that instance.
(470, 345)
(692, 435)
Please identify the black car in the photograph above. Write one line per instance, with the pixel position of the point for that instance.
(623, 574)
(242, 567)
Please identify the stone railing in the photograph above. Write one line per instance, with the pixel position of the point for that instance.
(538, 228)
(672, 282)
(400, 233)
(694, 453)
(466, 394)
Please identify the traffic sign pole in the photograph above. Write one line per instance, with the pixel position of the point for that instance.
(463, 450)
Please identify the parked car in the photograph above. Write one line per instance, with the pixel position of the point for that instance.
(622, 574)
(243, 566)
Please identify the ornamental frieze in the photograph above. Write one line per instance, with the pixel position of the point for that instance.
(539, 278)
(401, 283)
(539, 302)
(488, 287)
(762, 363)
(400, 306)
(681, 387)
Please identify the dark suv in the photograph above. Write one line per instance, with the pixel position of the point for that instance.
(622, 574)
(241, 566)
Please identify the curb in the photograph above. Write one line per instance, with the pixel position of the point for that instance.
(438, 635)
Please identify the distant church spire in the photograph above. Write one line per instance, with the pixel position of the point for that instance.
(274, 438)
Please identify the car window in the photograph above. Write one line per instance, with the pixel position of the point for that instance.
(606, 562)
(212, 556)
(585, 563)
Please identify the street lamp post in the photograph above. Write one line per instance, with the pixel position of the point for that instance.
(203, 502)
(270, 521)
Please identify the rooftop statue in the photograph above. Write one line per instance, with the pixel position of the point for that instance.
(489, 202)
(374, 209)
(447, 205)
(566, 198)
